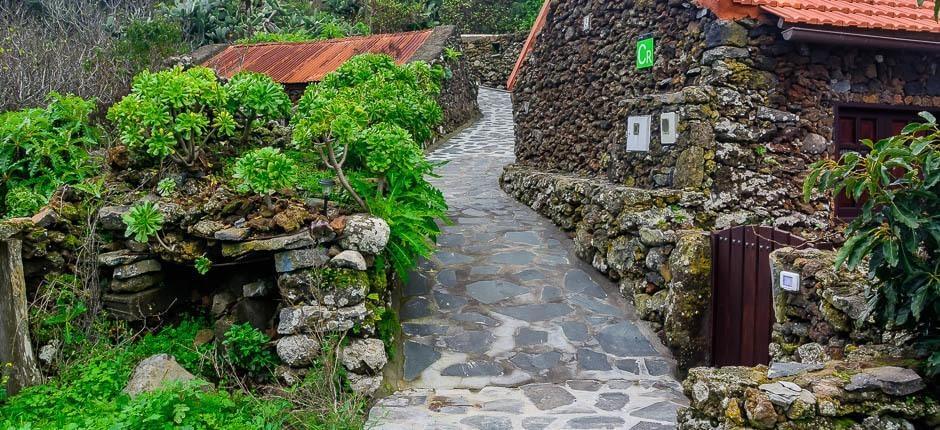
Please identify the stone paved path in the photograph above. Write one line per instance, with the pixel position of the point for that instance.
(506, 329)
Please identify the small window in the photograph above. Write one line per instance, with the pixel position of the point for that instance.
(496, 47)
(854, 124)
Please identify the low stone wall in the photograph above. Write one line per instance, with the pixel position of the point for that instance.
(648, 240)
(492, 56)
(841, 395)
(458, 97)
(828, 317)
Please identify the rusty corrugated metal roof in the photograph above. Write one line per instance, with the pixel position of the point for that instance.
(529, 44)
(302, 62)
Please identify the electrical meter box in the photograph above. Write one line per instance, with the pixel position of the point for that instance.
(668, 122)
(790, 281)
(638, 133)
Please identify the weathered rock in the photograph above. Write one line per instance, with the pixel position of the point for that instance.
(232, 234)
(364, 385)
(895, 381)
(298, 350)
(349, 259)
(812, 353)
(131, 270)
(110, 217)
(221, 302)
(364, 356)
(781, 370)
(725, 33)
(154, 372)
(781, 393)
(140, 305)
(45, 217)
(365, 233)
(206, 228)
(759, 410)
(137, 283)
(329, 287)
(297, 259)
(313, 319)
(299, 240)
(257, 289)
(120, 257)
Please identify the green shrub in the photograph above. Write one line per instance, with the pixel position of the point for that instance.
(143, 221)
(265, 37)
(265, 171)
(41, 149)
(897, 233)
(255, 98)
(490, 16)
(371, 117)
(248, 349)
(146, 43)
(174, 113)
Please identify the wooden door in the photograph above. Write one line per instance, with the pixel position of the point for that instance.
(742, 305)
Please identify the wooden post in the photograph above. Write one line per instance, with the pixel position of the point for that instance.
(15, 346)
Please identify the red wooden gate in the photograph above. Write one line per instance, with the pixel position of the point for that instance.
(742, 308)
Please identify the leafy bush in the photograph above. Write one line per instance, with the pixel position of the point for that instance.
(174, 113)
(143, 221)
(55, 311)
(490, 16)
(41, 149)
(898, 232)
(371, 116)
(248, 349)
(147, 42)
(265, 37)
(206, 21)
(265, 171)
(255, 98)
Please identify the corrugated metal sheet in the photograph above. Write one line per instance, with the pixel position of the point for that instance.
(529, 44)
(302, 62)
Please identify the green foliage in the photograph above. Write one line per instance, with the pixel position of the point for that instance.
(41, 149)
(387, 326)
(248, 349)
(255, 98)
(203, 265)
(166, 187)
(490, 16)
(55, 312)
(451, 54)
(143, 221)
(936, 8)
(174, 113)
(206, 21)
(146, 43)
(264, 171)
(371, 116)
(898, 231)
(265, 37)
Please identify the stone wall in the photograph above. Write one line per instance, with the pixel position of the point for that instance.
(492, 56)
(754, 110)
(842, 395)
(458, 97)
(648, 240)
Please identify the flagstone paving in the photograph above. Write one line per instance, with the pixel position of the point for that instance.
(504, 328)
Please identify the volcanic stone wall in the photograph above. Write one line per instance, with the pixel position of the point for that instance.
(754, 110)
(492, 56)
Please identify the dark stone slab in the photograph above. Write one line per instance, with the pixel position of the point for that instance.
(658, 367)
(782, 370)
(530, 275)
(418, 357)
(590, 360)
(469, 341)
(537, 423)
(526, 237)
(414, 329)
(448, 302)
(417, 307)
(595, 422)
(526, 336)
(662, 411)
(452, 258)
(487, 422)
(593, 305)
(547, 396)
(584, 385)
(536, 312)
(624, 340)
(504, 405)
(417, 285)
(612, 401)
(513, 258)
(447, 278)
(629, 365)
(578, 281)
(551, 294)
(575, 331)
(490, 292)
(646, 425)
(473, 368)
(476, 318)
(484, 270)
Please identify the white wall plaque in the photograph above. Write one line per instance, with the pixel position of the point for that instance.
(668, 122)
(638, 133)
(586, 23)
(790, 281)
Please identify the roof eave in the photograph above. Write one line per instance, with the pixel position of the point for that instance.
(845, 36)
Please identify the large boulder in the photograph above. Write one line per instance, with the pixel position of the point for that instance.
(365, 233)
(299, 350)
(155, 372)
(364, 356)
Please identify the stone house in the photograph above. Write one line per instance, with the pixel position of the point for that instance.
(299, 64)
(703, 116)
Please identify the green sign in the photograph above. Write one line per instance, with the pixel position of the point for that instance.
(644, 53)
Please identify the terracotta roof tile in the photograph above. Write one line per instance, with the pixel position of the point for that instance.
(896, 15)
(302, 62)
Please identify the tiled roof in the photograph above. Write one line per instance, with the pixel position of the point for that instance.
(895, 15)
(302, 62)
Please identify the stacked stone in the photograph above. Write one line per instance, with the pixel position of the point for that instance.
(324, 290)
(135, 290)
(847, 395)
(648, 240)
(493, 56)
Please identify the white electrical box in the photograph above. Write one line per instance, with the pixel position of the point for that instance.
(790, 281)
(668, 122)
(586, 23)
(638, 133)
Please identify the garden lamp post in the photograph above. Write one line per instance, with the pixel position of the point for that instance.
(327, 185)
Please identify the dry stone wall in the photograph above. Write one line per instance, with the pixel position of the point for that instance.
(647, 240)
(492, 56)
(754, 110)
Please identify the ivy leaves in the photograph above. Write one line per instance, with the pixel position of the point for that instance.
(898, 231)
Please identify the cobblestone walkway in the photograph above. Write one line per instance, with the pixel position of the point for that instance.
(506, 329)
